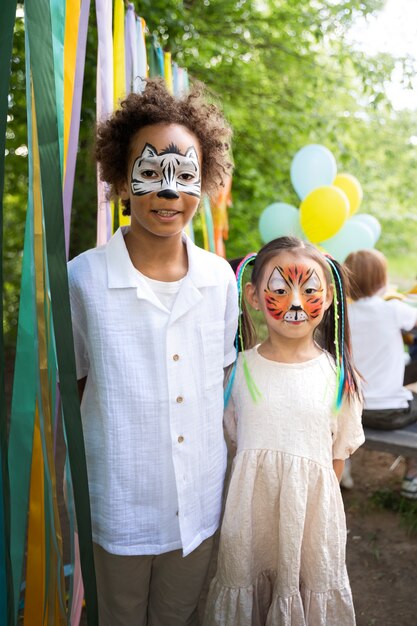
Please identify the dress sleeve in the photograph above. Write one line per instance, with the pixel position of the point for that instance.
(347, 432)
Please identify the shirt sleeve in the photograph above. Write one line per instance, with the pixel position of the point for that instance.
(405, 315)
(231, 318)
(82, 362)
(347, 429)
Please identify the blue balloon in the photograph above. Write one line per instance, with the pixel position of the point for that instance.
(277, 220)
(371, 222)
(313, 166)
(354, 235)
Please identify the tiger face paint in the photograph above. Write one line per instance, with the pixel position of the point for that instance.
(167, 173)
(294, 293)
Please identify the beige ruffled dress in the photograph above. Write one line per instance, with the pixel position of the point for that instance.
(282, 545)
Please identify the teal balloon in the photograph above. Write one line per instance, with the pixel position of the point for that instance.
(313, 166)
(277, 220)
(354, 235)
(371, 222)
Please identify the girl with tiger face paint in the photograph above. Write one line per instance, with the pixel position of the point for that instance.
(293, 294)
(284, 512)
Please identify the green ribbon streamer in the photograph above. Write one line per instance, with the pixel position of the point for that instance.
(24, 382)
(40, 38)
(58, 8)
(155, 57)
(23, 411)
(6, 42)
(209, 221)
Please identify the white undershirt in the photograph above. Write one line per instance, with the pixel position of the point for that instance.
(165, 292)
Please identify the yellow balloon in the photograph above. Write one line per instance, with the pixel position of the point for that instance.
(352, 188)
(323, 212)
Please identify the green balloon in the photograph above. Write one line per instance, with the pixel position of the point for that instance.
(279, 219)
(354, 235)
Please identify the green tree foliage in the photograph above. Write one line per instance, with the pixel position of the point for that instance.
(286, 75)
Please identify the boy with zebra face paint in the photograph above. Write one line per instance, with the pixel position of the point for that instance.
(154, 321)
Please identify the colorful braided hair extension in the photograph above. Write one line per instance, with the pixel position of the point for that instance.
(339, 334)
(253, 389)
(344, 378)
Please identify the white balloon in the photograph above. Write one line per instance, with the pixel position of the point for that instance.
(371, 222)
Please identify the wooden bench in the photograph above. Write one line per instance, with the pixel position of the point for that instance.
(402, 442)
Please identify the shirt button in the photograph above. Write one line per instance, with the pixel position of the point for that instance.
(180, 399)
(176, 357)
(180, 439)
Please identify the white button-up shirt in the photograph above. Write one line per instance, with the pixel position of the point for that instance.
(153, 403)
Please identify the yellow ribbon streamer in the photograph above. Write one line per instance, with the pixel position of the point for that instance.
(168, 72)
(204, 229)
(72, 19)
(119, 74)
(35, 568)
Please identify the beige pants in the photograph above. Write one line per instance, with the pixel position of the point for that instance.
(160, 590)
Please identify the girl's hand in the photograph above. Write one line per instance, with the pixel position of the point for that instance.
(338, 466)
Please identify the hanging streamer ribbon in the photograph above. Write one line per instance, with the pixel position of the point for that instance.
(24, 383)
(58, 19)
(142, 61)
(6, 588)
(168, 72)
(131, 48)
(119, 74)
(208, 219)
(104, 101)
(73, 113)
(43, 80)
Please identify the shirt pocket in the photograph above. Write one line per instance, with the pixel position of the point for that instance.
(212, 343)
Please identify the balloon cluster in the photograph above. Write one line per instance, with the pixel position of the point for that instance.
(329, 202)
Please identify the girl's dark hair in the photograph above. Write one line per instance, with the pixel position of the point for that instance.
(155, 105)
(325, 332)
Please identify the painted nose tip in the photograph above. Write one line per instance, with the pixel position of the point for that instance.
(168, 194)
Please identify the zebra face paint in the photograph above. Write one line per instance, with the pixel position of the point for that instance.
(167, 173)
(294, 293)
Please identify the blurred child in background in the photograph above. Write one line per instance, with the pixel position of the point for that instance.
(378, 350)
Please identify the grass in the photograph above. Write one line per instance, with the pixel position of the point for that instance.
(393, 501)
(403, 270)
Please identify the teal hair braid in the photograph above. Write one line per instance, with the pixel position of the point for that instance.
(338, 300)
(253, 389)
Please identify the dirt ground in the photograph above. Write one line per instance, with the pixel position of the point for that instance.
(381, 553)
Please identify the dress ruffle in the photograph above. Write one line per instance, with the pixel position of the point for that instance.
(260, 605)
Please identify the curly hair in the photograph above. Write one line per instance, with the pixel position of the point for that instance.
(155, 105)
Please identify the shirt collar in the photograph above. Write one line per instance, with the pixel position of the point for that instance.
(121, 272)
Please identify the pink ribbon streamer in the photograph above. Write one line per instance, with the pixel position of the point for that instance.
(78, 587)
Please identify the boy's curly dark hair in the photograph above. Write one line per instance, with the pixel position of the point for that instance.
(155, 105)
